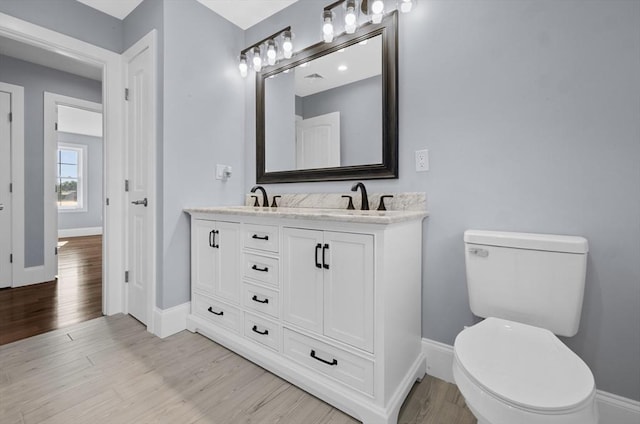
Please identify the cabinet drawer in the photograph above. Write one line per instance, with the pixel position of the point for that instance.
(261, 237)
(262, 331)
(261, 268)
(352, 370)
(261, 299)
(217, 312)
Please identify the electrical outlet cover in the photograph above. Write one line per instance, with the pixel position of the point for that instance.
(422, 160)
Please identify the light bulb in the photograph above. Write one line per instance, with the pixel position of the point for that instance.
(376, 18)
(350, 17)
(271, 53)
(327, 28)
(243, 65)
(377, 7)
(257, 60)
(287, 46)
(406, 6)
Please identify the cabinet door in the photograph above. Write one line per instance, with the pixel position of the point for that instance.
(227, 261)
(348, 289)
(203, 256)
(302, 278)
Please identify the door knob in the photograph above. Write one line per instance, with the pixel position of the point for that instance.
(1, 206)
(140, 202)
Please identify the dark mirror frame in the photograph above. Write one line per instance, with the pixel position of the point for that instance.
(388, 28)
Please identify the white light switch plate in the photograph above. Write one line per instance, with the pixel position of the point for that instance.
(220, 172)
(422, 160)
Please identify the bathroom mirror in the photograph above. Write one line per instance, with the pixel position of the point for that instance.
(330, 112)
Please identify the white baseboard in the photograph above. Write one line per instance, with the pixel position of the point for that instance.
(613, 409)
(80, 232)
(171, 321)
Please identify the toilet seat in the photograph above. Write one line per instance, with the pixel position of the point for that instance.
(527, 367)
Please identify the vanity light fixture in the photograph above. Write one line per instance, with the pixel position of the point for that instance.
(350, 17)
(243, 66)
(287, 45)
(257, 59)
(327, 27)
(271, 52)
(273, 45)
(376, 9)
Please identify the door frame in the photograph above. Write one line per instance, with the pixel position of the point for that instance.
(17, 179)
(147, 42)
(51, 103)
(113, 130)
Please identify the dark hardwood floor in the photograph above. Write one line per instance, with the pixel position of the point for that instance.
(74, 297)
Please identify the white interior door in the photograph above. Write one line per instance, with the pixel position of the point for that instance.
(318, 141)
(139, 153)
(5, 194)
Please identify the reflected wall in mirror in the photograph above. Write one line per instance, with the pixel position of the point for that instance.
(330, 113)
(322, 114)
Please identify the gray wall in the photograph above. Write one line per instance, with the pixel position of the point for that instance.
(203, 126)
(280, 121)
(36, 80)
(93, 215)
(360, 107)
(69, 17)
(529, 110)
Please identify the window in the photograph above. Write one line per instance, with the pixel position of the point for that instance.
(70, 182)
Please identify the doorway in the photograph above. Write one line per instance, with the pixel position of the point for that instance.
(115, 197)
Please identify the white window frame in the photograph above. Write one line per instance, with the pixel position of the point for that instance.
(82, 177)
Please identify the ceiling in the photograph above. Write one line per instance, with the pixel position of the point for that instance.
(243, 13)
(360, 61)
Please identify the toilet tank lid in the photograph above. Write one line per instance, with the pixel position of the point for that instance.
(545, 242)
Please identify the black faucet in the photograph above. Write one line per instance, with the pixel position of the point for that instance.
(265, 199)
(365, 198)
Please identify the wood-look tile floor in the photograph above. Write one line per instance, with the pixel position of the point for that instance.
(75, 296)
(110, 370)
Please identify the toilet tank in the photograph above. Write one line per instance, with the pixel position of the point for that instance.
(535, 279)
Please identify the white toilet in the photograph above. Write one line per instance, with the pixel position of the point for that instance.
(511, 368)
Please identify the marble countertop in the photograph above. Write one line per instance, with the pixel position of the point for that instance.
(342, 215)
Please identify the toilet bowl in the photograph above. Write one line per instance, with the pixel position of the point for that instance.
(514, 373)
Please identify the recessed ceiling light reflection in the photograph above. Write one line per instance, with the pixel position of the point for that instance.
(342, 68)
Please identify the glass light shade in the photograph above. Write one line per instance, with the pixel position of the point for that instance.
(271, 53)
(257, 60)
(242, 66)
(406, 6)
(287, 46)
(327, 27)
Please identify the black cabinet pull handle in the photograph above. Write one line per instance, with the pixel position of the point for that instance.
(325, 265)
(332, 363)
(255, 299)
(255, 330)
(211, 238)
(214, 312)
(257, 237)
(265, 269)
(318, 247)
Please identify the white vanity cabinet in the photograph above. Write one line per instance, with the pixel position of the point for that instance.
(330, 301)
(328, 284)
(215, 259)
